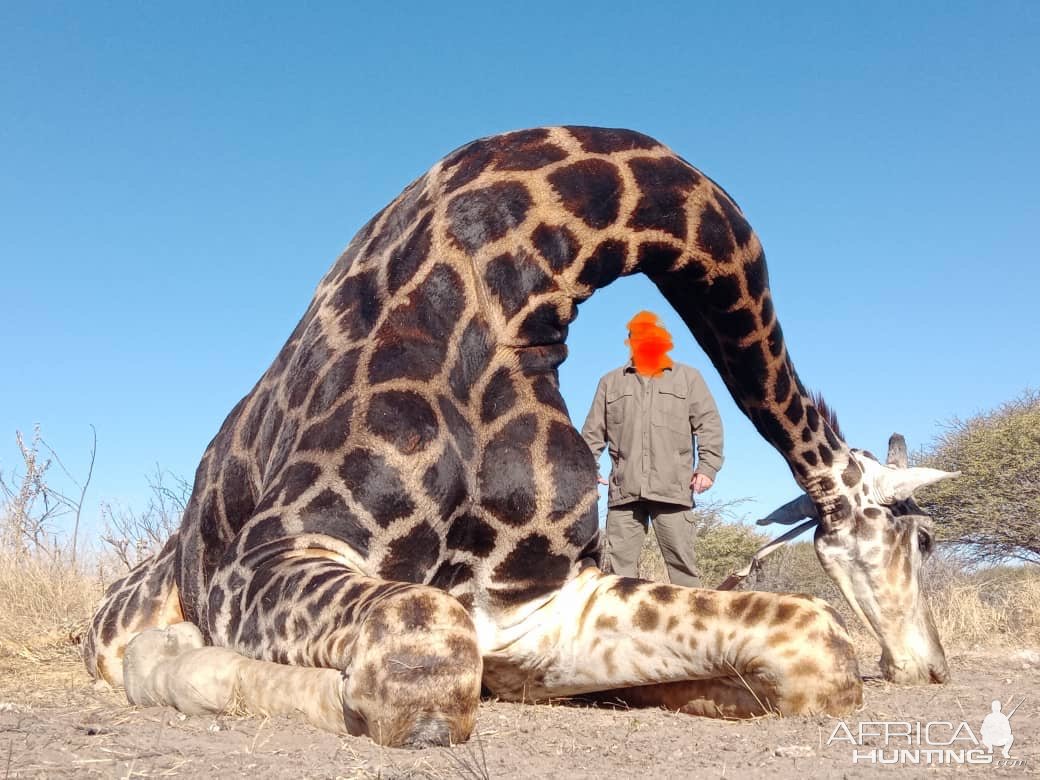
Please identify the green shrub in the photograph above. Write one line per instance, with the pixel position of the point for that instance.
(991, 513)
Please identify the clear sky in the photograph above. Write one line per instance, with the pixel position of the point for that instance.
(176, 178)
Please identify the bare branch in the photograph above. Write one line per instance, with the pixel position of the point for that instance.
(83, 493)
(135, 536)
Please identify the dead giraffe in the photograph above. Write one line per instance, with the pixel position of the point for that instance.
(403, 503)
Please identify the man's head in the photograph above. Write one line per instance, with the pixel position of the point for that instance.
(649, 342)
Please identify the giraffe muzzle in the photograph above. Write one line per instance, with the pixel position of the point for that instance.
(928, 666)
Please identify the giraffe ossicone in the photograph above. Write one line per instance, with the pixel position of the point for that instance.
(401, 511)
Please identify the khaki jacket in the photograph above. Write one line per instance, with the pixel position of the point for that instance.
(648, 426)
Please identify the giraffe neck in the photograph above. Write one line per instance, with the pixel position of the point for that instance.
(739, 331)
(718, 284)
(536, 221)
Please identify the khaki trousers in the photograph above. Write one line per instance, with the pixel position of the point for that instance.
(627, 527)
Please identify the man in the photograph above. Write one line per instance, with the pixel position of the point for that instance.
(647, 414)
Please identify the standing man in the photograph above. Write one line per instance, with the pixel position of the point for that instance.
(647, 414)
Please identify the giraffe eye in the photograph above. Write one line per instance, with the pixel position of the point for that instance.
(924, 542)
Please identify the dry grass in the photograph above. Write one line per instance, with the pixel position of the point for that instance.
(991, 608)
(46, 605)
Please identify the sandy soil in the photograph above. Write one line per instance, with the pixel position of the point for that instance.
(54, 723)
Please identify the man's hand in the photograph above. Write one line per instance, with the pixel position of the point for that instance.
(700, 483)
(600, 480)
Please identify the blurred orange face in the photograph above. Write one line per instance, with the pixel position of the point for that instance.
(648, 343)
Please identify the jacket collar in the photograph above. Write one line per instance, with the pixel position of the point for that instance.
(630, 368)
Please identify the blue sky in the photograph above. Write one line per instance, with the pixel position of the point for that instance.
(174, 181)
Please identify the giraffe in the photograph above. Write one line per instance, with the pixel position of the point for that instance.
(403, 498)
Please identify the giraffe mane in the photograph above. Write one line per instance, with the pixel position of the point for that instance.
(827, 413)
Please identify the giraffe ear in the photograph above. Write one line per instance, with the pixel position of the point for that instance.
(897, 455)
(899, 484)
(791, 512)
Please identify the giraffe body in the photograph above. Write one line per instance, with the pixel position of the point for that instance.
(403, 498)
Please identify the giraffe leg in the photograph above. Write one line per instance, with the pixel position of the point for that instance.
(406, 653)
(172, 666)
(145, 598)
(714, 653)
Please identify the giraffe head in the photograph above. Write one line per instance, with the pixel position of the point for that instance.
(874, 547)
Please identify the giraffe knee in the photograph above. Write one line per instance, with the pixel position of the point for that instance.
(414, 676)
(820, 671)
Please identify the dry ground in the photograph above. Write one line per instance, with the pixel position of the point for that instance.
(54, 723)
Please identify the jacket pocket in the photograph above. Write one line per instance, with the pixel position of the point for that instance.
(672, 411)
(618, 404)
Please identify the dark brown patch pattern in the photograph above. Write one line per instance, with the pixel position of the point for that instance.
(413, 342)
(472, 534)
(327, 513)
(404, 419)
(713, 234)
(557, 245)
(406, 260)
(590, 190)
(646, 618)
(330, 434)
(514, 278)
(479, 217)
(445, 482)
(506, 476)
(665, 183)
(598, 140)
(532, 559)
(376, 486)
(475, 350)
(411, 557)
(604, 265)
